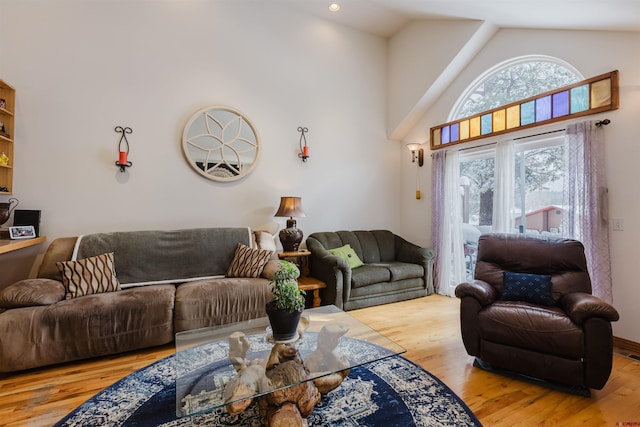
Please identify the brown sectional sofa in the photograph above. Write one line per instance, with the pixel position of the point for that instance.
(39, 327)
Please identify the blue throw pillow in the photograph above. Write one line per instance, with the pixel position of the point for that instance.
(533, 288)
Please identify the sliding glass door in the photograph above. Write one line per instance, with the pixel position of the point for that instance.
(532, 197)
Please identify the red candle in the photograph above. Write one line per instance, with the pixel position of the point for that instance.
(305, 151)
(123, 158)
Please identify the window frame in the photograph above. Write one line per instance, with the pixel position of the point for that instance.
(482, 78)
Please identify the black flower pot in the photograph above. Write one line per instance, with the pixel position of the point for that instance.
(284, 325)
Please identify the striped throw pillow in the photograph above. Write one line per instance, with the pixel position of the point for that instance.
(248, 262)
(93, 275)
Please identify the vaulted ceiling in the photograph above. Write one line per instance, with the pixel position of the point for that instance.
(386, 17)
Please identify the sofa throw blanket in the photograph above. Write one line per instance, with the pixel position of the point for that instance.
(155, 257)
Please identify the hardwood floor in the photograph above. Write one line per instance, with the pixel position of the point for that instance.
(427, 327)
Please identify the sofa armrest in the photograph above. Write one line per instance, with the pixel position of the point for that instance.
(416, 254)
(483, 292)
(409, 252)
(331, 269)
(60, 250)
(581, 306)
(31, 292)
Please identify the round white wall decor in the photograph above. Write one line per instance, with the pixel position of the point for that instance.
(221, 143)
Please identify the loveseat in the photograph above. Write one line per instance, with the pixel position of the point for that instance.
(392, 269)
(107, 293)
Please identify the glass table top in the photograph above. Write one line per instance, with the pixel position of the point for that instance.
(332, 342)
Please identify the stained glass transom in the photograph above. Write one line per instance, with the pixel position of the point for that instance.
(589, 96)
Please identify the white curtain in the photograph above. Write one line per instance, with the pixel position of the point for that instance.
(504, 188)
(451, 251)
(437, 209)
(585, 198)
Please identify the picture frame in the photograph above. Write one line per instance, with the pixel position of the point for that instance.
(22, 232)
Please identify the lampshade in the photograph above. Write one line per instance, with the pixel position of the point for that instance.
(291, 236)
(417, 153)
(290, 207)
(413, 147)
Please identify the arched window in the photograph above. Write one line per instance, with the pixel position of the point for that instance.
(530, 171)
(513, 80)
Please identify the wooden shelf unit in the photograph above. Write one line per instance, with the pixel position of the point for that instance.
(7, 112)
(8, 245)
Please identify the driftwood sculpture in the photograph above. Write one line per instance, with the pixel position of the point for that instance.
(288, 405)
(325, 358)
(291, 405)
(250, 378)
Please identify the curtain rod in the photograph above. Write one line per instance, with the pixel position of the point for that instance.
(539, 134)
(599, 123)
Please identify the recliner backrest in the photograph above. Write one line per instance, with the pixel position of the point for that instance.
(562, 259)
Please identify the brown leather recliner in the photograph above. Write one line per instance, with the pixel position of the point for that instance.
(567, 343)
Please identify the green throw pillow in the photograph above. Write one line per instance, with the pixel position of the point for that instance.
(347, 253)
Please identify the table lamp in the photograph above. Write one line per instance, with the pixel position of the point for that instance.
(291, 236)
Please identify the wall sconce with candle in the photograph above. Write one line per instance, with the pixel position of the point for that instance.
(291, 236)
(417, 153)
(123, 149)
(304, 149)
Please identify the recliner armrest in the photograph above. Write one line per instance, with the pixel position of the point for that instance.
(581, 306)
(478, 289)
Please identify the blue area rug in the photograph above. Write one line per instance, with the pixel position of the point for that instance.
(390, 392)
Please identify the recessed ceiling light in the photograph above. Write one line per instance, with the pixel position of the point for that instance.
(334, 7)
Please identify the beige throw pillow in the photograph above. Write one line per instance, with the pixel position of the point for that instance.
(93, 275)
(248, 262)
(267, 242)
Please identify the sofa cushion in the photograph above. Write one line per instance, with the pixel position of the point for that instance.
(403, 270)
(30, 292)
(220, 301)
(369, 274)
(93, 275)
(386, 288)
(166, 256)
(524, 325)
(270, 268)
(347, 253)
(533, 288)
(385, 241)
(248, 262)
(91, 326)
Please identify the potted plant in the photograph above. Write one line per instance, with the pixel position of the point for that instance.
(286, 307)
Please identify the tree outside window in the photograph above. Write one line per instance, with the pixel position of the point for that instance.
(538, 175)
(513, 83)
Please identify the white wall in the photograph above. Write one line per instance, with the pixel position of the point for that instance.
(80, 68)
(592, 53)
(418, 55)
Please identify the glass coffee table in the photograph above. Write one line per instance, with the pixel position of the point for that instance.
(210, 360)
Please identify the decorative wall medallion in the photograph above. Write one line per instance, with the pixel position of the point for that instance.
(220, 143)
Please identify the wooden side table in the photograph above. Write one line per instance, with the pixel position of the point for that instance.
(308, 283)
(305, 282)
